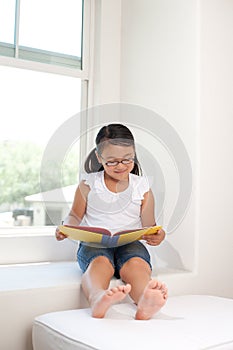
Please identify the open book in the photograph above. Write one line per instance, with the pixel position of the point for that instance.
(103, 237)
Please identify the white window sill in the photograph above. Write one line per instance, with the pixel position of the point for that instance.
(56, 274)
(27, 231)
(34, 244)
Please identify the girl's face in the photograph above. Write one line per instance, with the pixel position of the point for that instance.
(117, 160)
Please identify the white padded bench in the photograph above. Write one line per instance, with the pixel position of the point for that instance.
(29, 290)
(190, 322)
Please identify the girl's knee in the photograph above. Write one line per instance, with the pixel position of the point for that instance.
(102, 262)
(135, 263)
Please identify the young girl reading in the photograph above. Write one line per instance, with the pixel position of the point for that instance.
(114, 194)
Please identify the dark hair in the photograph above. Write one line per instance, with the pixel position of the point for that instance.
(115, 134)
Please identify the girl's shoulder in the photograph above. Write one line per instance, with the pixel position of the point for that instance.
(140, 185)
(90, 179)
(139, 179)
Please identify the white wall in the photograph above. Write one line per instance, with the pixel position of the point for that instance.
(105, 51)
(159, 62)
(176, 59)
(216, 146)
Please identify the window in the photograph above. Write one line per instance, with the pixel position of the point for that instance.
(47, 31)
(33, 106)
(40, 37)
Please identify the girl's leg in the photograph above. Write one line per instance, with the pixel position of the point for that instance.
(95, 283)
(149, 295)
(138, 274)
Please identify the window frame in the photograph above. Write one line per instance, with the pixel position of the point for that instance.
(81, 72)
(16, 235)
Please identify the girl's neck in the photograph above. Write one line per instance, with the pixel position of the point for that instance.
(115, 185)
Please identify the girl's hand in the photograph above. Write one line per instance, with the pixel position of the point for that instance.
(156, 238)
(59, 235)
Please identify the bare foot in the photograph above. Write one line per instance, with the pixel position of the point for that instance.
(153, 298)
(105, 299)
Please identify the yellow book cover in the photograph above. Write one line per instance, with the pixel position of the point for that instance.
(103, 237)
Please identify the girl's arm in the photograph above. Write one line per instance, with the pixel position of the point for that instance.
(148, 219)
(148, 209)
(78, 209)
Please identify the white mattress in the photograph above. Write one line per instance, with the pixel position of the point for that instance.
(185, 323)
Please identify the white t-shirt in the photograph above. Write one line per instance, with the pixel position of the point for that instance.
(114, 211)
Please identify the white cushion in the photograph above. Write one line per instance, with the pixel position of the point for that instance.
(185, 322)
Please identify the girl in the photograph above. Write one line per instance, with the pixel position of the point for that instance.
(116, 196)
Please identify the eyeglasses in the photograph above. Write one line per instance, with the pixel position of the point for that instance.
(116, 162)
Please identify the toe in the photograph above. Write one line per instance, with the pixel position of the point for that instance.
(127, 288)
(121, 288)
(153, 284)
(164, 288)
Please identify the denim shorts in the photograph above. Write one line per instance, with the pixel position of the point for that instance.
(117, 256)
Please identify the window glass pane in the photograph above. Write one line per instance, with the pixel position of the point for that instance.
(7, 21)
(33, 106)
(51, 25)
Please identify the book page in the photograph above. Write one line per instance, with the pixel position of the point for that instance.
(83, 233)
